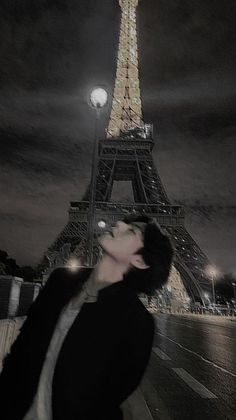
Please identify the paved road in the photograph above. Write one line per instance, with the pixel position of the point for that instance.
(192, 370)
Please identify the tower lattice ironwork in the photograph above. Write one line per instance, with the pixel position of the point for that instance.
(126, 110)
(126, 155)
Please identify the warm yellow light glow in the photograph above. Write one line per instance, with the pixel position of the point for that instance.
(73, 264)
(98, 97)
(126, 106)
(212, 271)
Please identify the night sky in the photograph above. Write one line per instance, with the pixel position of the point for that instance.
(53, 52)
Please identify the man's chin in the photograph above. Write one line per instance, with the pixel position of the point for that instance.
(103, 237)
(102, 242)
(104, 246)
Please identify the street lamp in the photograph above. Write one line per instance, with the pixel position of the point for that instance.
(102, 224)
(212, 272)
(233, 284)
(73, 264)
(97, 100)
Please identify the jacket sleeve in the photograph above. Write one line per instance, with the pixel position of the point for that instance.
(131, 360)
(23, 337)
(45, 293)
(15, 377)
(127, 367)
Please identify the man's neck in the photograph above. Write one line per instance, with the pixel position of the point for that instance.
(108, 270)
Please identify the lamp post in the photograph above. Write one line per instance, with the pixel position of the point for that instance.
(233, 284)
(206, 296)
(213, 288)
(212, 272)
(97, 100)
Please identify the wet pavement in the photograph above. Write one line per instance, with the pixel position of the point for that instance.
(192, 371)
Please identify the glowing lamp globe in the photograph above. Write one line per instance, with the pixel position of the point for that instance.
(98, 97)
(102, 224)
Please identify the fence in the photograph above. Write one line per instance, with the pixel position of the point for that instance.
(9, 329)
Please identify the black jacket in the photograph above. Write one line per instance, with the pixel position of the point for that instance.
(102, 359)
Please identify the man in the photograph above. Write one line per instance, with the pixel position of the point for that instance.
(86, 342)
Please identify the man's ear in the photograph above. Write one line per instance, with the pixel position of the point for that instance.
(138, 262)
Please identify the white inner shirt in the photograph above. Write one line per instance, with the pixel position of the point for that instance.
(41, 407)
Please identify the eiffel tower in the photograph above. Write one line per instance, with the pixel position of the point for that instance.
(126, 155)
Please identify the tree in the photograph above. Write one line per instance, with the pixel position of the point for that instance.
(9, 266)
(2, 268)
(27, 273)
(3, 256)
(224, 287)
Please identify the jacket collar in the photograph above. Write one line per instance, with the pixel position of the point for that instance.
(118, 288)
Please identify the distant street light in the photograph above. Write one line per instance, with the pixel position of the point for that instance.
(212, 272)
(73, 264)
(233, 284)
(97, 100)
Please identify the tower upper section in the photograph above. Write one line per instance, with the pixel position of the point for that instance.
(126, 110)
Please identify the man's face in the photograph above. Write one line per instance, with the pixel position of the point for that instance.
(123, 242)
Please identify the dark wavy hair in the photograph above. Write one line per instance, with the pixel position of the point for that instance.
(157, 252)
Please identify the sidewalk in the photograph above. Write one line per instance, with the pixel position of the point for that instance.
(209, 317)
(196, 316)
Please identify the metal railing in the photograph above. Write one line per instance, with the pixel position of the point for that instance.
(166, 214)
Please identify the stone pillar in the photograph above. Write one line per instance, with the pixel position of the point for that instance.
(9, 296)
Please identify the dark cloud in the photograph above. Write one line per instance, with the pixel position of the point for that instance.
(183, 37)
(58, 45)
(53, 52)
